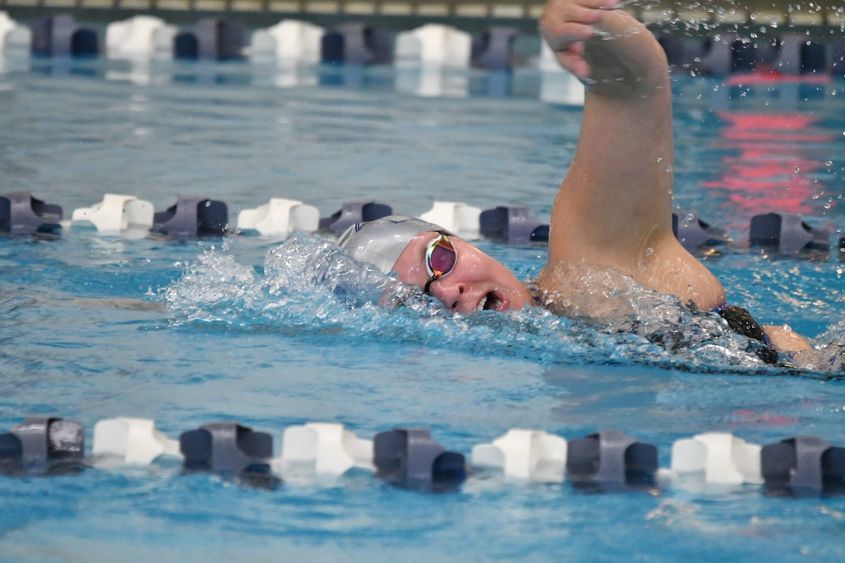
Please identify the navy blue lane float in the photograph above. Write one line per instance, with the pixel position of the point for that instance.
(354, 212)
(411, 458)
(786, 232)
(513, 224)
(210, 39)
(192, 217)
(611, 458)
(22, 214)
(63, 36)
(43, 446)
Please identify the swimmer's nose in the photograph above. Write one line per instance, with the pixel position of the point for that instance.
(450, 294)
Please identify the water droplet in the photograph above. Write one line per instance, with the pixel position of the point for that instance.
(797, 169)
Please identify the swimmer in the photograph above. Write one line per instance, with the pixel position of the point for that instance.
(613, 211)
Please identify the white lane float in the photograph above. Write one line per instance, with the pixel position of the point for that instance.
(434, 45)
(279, 216)
(140, 37)
(289, 41)
(12, 34)
(458, 217)
(525, 454)
(323, 449)
(116, 214)
(558, 86)
(136, 441)
(718, 457)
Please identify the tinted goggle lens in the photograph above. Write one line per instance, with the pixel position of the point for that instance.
(440, 258)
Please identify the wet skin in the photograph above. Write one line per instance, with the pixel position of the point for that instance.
(476, 282)
(613, 210)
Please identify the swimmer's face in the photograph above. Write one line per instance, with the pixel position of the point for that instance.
(476, 282)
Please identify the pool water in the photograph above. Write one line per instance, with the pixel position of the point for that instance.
(272, 333)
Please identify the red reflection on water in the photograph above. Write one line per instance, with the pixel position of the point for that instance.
(775, 77)
(773, 169)
(767, 418)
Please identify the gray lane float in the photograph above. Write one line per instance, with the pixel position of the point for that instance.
(354, 212)
(513, 224)
(63, 36)
(493, 49)
(411, 458)
(43, 445)
(693, 233)
(803, 464)
(192, 217)
(610, 458)
(786, 232)
(226, 447)
(718, 58)
(210, 39)
(22, 214)
(683, 52)
(800, 56)
(837, 56)
(357, 44)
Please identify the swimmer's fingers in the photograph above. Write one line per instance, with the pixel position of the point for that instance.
(561, 36)
(557, 12)
(572, 59)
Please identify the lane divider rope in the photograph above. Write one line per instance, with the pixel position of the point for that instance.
(411, 458)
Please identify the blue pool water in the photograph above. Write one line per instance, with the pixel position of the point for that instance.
(248, 330)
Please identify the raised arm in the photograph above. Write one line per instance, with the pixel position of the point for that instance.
(614, 206)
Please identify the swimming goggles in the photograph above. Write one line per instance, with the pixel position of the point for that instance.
(440, 259)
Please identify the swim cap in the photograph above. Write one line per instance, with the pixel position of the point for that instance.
(380, 242)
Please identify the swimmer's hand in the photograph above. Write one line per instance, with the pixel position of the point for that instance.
(566, 24)
(607, 49)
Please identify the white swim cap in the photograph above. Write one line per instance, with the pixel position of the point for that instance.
(380, 242)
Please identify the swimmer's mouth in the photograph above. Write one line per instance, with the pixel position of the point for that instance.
(491, 302)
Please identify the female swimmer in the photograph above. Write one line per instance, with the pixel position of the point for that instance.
(612, 213)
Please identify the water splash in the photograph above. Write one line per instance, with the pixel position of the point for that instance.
(309, 288)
